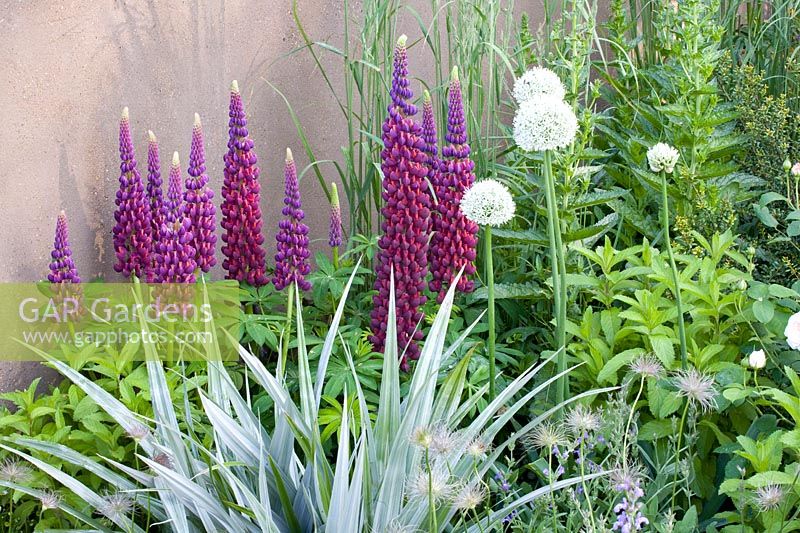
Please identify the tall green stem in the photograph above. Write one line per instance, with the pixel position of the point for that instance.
(558, 266)
(673, 267)
(678, 455)
(492, 334)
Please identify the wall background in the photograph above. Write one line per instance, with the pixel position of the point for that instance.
(69, 67)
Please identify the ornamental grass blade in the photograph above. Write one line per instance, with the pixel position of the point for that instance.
(38, 494)
(330, 338)
(82, 491)
(387, 422)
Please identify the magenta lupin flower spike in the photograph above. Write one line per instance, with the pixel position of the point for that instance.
(245, 257)
(291, 261)
(62, 267)
(197, 202)
(403, 246)
(155, 194)
(335, 231)
(132, 231)
(454, 241)
(174, 203)
(175, 255)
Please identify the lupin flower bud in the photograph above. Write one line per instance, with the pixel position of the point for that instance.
(403, 247)
(335, 232)
(173, 205)
(431, 138)
(155, 195)
(62, 267)
(291, 261)
(197, 200)
(245, 258)
(455, 236)
(132, 231)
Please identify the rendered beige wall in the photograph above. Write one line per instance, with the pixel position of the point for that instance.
(68, 67)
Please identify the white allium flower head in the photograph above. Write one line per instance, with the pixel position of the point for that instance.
(544, 123)
(757, 359)
(488, 203)
(537, 82)
(662, 156)
(792, 332)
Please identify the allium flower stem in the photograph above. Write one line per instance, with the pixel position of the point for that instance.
(673, 267)
(492, 334)
(559, 270)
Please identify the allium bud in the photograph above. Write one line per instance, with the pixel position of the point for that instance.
(62, 267)
(155, 194)
(132, 231)
(787, 164)
(335, 232)
(454, 241)
(245, 257)
(796, 170)
(198, 205)
(403, 246)
(291, 261)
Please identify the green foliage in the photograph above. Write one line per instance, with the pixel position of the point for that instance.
(667, 92)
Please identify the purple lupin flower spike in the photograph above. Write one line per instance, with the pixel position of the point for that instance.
(62, 267)
(291, 261)
(175, 255)
(198, 205)
(335, 231)
(245, 257)
(155, 194)
(455, 237)
(132, 231)
(173, 205)
(403, 246)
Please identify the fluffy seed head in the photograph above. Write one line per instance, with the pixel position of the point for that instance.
(546, 437)
(647, 366)
(582, 420)
(50, 499)
(477, 448)
(138, 432)
(488, 203)
(768, 497)
(662, 156)
(538, 82)
(116, 505)
(435, 485)
(15, 471)
(422, 436)
(696, 387)
(544, 124)
(469, 497)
